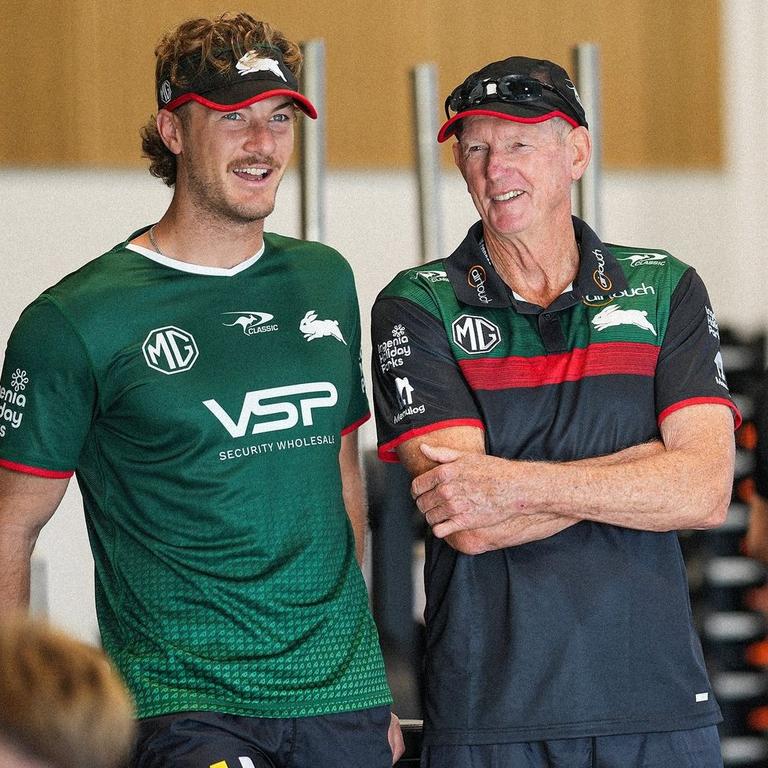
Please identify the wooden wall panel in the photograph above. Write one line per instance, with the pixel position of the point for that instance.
(78, 74)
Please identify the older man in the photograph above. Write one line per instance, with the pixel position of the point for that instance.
(562, 408)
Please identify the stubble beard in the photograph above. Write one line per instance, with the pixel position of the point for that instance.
(210, 199)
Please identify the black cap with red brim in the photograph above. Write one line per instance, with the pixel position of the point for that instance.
(519, 89)
(252, 77)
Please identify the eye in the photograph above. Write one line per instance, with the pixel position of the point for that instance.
(475, 152)
(281, 117)
(233, 116)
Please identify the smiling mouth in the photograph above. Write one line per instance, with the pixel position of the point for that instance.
(249, 172)
(511, 195)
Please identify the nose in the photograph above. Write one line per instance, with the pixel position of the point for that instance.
(259, 139)
(497, 163)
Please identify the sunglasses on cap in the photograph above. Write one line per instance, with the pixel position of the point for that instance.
(513, 89)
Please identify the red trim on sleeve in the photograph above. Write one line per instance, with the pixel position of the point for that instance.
(51, 473)
(387, 450)
(359, 423)
(702, 401)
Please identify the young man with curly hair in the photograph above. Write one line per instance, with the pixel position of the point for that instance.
(190, 379)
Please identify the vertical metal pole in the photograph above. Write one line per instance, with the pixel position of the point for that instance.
(586, 64)
(312, 172)
(425, 108)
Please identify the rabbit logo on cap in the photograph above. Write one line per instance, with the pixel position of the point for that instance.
(253, 62)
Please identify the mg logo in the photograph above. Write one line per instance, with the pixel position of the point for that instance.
(170, 350)
(475, 334)
(273, 403)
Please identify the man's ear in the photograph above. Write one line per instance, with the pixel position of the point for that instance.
(581, 145)
(170, 129)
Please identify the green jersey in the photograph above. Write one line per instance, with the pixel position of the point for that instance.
(202, 411)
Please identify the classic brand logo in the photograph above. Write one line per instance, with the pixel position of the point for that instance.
(615, 315)
(642, 259)
(170, 350)
(476, 278)
(475, 334)
(433, 275)
(272, 402)
(252, 322)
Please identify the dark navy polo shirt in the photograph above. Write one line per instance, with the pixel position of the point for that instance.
(589, 631)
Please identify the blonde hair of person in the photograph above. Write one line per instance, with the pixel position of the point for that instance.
(61, 702)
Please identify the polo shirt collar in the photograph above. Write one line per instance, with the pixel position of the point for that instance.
(473, 277)
(476, 282)
(600, 273)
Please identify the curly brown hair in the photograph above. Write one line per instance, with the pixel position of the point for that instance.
(207, 37)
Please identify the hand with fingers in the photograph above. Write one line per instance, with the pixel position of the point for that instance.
(467, 491)
(395, 737)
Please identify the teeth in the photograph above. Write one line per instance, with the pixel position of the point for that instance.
(508, 195)
(260, 172)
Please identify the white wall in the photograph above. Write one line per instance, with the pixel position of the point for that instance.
(53, 221)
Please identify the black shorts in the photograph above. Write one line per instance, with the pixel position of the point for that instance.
(697, 748)
(213, 740)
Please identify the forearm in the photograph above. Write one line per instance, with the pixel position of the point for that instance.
(26, 504)
(658, 491)
(686, 483)
(522, 529)
(15, 551)
(633, 453)
(353, 492)
(354, 501)
(512, 532)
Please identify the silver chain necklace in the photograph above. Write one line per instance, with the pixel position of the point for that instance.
(154, 242)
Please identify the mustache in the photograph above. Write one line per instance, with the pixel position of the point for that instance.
(264, 160)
